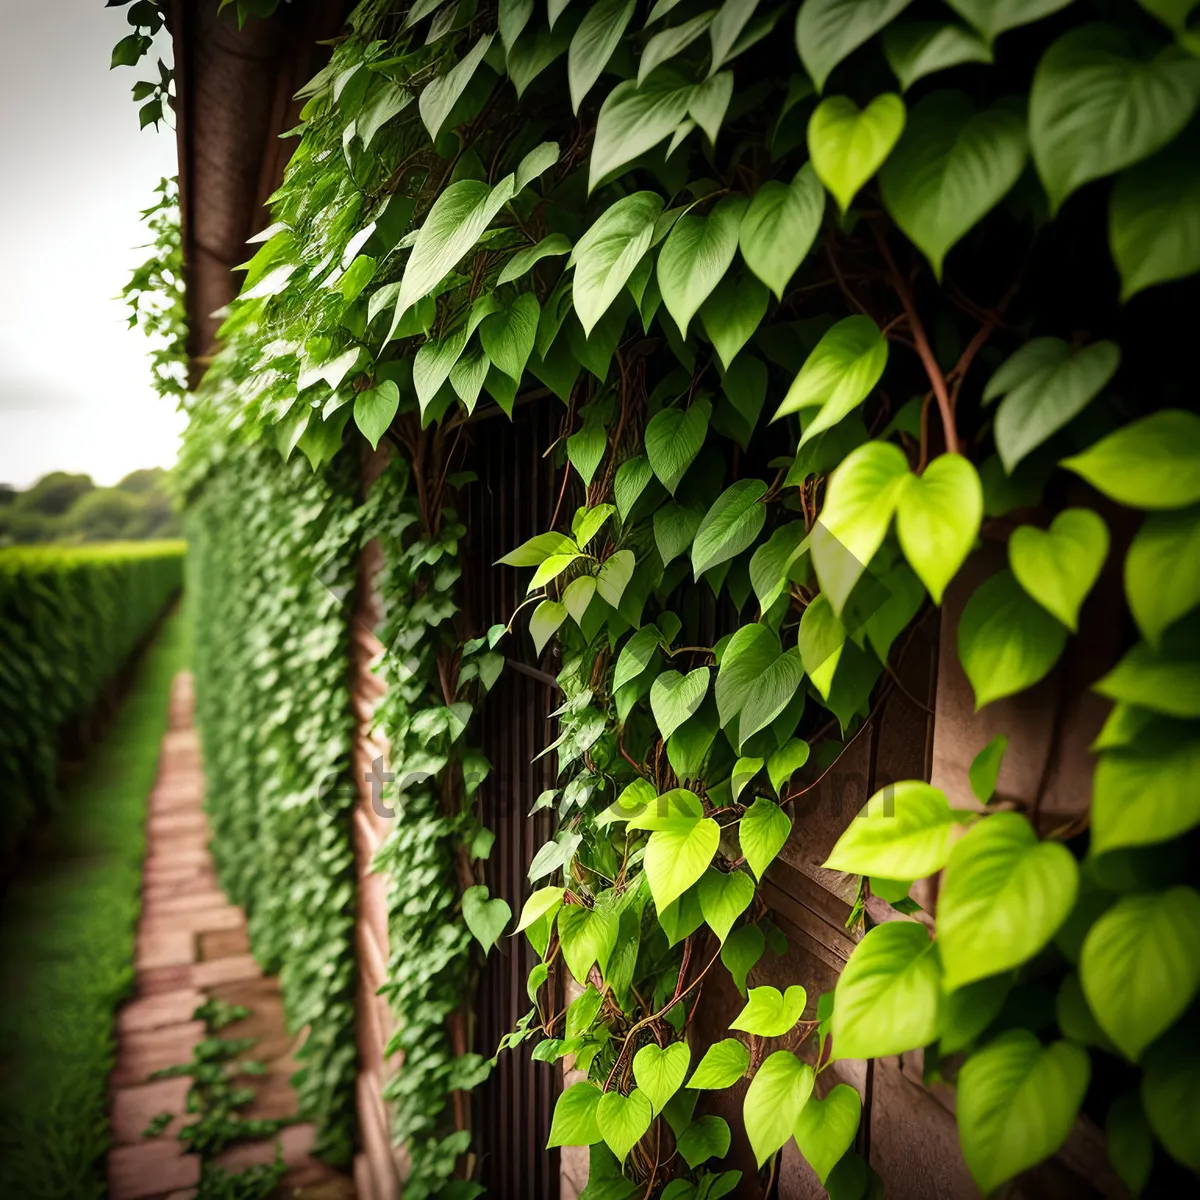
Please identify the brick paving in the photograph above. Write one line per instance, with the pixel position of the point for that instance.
(192, 945)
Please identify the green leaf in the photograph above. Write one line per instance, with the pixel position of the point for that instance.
(953, 166)
(670, 42)
(606, 255)
(577, 595)
(589, 521)
(732, 314)
(915, 49)
(1129, 1142)
(630, 482)
(1162, 571)
(467, 376)
(773, 561)
(993, 17)
(674, 697)
(574, 1122)
(838, 375)
(525, 260)
(780, 227)
(374, 409)
(771, 1013)
(551, 568)
(1161, 680)
(1060, 566)
(985, 768)
(537, 549)
(544, 623)
(697, 253)
(860, 499)
(722, 1066)
(826, 1128)
(485, 918)
(723, 898)
(938, 519)
(904, 831)
(743, 948)
(726, 29)
(889, 995)
(614, 576)
(598, 35)
(776, 1097)
(848, 145)
(1045, 400)
(1004, 895)
(682, 918)
(1140, 965)
(709, 103)
(544, 900)
(730, 525)
(508, 335)
(783, 764)
(762, 832)
(1150, 463)
(623, 1121)
(635, 118)
(1142, 797)
(438, 98)
(705, 1138)
(678, 855)
(756, 681)
(1171, 1097)
(660, 1072)
(820, 642)
(745, 387)
(1006, 641)
(674, 527)
(635, 656)
(673, 439)
(1094, 109)
(968, 1011)
(1017, 1101)
(827, 31)
(588, 937)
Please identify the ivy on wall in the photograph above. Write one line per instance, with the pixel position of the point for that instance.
(833, 294)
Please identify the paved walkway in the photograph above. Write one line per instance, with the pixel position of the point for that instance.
(192, 945)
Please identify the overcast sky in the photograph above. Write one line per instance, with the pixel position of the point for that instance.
(74, 381)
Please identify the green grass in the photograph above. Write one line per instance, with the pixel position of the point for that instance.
(66, 944)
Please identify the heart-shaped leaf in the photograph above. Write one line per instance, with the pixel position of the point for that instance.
(1162, 571)
(543, 901)
(374, 409)
(485, 918)
(546, 619)
(756, 681)
(826, 1128)
(614, 576)
(660, 1072)
(574, 1122)
(730, 525)
(634, 118)
(993, 17)
(849, 145)
(776, 1097)
(697, 253)
(606, 255)
(674, 697)
(673, 439)
(623, 1121)
(938, 519)
(742, 950)
(985, 768)
(827, 31)
(820, 641)
(722, 1065)
(915, 49)
(780, 226)
(577, 595)
(770, 1013)
(508, 335)
(904, 831)
(723, 898)
(731, 315)
(1059, 566)
(587, 936)
(598, 35)
(705, 1138)
(677, 855)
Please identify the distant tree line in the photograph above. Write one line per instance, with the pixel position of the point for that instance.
(61, 507)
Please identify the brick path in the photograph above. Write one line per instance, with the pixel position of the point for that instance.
(192, 945)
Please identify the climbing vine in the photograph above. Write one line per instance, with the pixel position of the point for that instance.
(854, 307)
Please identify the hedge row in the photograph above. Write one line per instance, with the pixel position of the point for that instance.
(69, 619)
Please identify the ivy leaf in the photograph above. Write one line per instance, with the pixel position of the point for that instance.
(538, 548)
(762, 832)
(660, 1072)
(938, 519)
(623, 1120)
(485, 918)
(723, 898)
(577, 595)
(1006, 641)
(722, 1066)
(674, 697)
(544, 623)
(630, 482)
(860, 499)
(544, 900)
(1048, 398)
(673, 439)
(574, 1122)
(709, 103)
(598, 35)
(374, 409)
(675, 526)
(1140, 965)
(676, 856)
(508, 335)
(588, 937)
(726, 28)
(780, 226)
(743, 948)
(438, 98)
(730, 525)
(783, 764)
(820, 642)
(848, 145)
(1016, 1102)
(635, 118)
(904, 831)
(1059, 567)
(993, 17)
(635, 656)
(888, 998)
(827, 31)
(589, 521)
(1094, 109)
(697, 253)
(705, 1138)
(826, 1128)
(732, 314)
(671, 41)
(776, 1097)
(1142, 797)
(1150, 463)
(771, 1013)
(953, 166)
(1162, 571)
(756, 681)
(915, 49)
(1004, 894)
(606, 255)
(838, 375)
(586, 446)
(551, 568)
(615, 574)
(773, 561)
(985, 768)
(525, 260)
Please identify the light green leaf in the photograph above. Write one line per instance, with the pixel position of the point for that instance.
(953, 165)
(1150, 463)
(776, 1097)
(848, 145)
(732, 314)
(588, 522)
(374, 409)
(598, 35)
(673, 439)
(826, 1128)
(433, 363)
(543, 901)
(467, 376)
(723, 898)
(670, 42)
(697, 253)
(1162, 680)
(744, 770)
(904, 831)
(985, 768)
(993, 17)
(784, 763)
(756, 681)
(635, 656)
(1017, 1101)
(588, 937)
(722, 1066)
(820, 642)
(606, 255)
(938, 519)
(1140, 965)
(772, 562)
(1004, 895)
(537, 549)
(623, 1120)
(678, 855)
(614, 576)
(508, 335)
(705, 1138)
(915, 49)
(1141, 798)
(709, 103)
(1162, 571)
(726, 28)
(730, 525)
(660, 1072)
(1094, 109)
(968, 1011)
(574, 1122)
(1059, 567)
(762, 832)
(630, 482)
(544, 623)
(525, 260)
(536, 163)
(771, 1013)
(889, 995)
(827, 31)
(438, 98)
(674, 697)
(551, 568)
(780, 226)
(485, 918)
(577, 595)
(635, 118)
(1006, 641)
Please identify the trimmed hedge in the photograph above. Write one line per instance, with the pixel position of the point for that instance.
(69, 619)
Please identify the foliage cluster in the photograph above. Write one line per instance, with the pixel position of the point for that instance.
(69, 620)
(945, 242)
